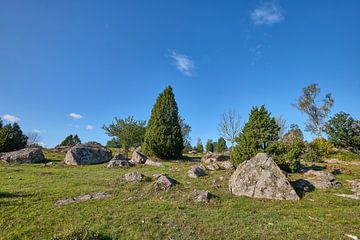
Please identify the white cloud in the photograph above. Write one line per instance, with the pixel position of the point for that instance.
(183, 63)
(10, 118)
(36, 131)
(75, 116)
(266, 14)
(89, 127)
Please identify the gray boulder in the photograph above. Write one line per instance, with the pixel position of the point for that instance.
(224, 165)
(153, 163)
(164, 182)
(26, 155)
(214, 157)
(260, 177)
(355, 186)
(196, 171)
(133, 177)
(138, 158)
(321, 179)
(84, 197)
(118, 156)
(119, 163)
(87, 153)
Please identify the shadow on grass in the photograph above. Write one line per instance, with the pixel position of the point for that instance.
(302, 186)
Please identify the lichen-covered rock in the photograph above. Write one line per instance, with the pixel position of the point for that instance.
(138, 158)
(87, 153)
(223, 165)
(153, 163)
(260, 177)
(119, 163)
(26, 155)
(196, 171)
(214, 157)
(201, 196)
(84, 197)
(133, 177)
(355, 186)
(321, 179)
(164, 182)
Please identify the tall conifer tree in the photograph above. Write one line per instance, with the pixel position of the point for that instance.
(163, 138)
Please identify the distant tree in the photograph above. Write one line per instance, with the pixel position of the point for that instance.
(163, 137)
(260, 130)
(71, 140)
(1, 123)
(294, 134)
(113, 143)
(344, 131)
(230, 126)
(209, 146)
(185, 132)
(187, 148)
(128, 131)
(221, 145)
(76, 139)
(12, 138)
(316, 114)
(199, 146)
(215, 146)
(34, 139)
(281, 122)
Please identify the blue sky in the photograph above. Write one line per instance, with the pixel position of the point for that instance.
(69, 67)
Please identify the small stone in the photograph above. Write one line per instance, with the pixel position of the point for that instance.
(196, 171)
(153, 163)
(202, 196)
(119, 163)
(133, 177)
(164, 182)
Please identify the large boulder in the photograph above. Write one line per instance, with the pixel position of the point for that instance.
(138, 158)
(26, 155)
(260, 177)
(87, 153)
(322, 179)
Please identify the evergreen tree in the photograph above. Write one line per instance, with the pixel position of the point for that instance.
(199, 147)
(209, 146)
(260, 130)
(12, 138)
(71, 140)
(163, 138)
(221, 145)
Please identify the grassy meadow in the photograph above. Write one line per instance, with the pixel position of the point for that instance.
(28, 193)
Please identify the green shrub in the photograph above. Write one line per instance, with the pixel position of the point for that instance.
(317, 150)
(260, 130)
(286, 155)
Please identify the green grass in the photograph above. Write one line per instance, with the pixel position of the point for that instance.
(345, 156)
(135, 211)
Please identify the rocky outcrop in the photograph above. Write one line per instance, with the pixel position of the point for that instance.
(214, 157)
(87, 153)
(196, 171)
(216, 161)
(260, 177)
(138, 158)
(26, 155)
(119, 163)
(321, 179)
(164, 182)
(85, 197)
(133, 177)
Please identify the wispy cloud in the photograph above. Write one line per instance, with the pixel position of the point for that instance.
(10, 118)
(36, 131)
(89, 127)
(183, 63)
(267, 13)
(75, 116)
